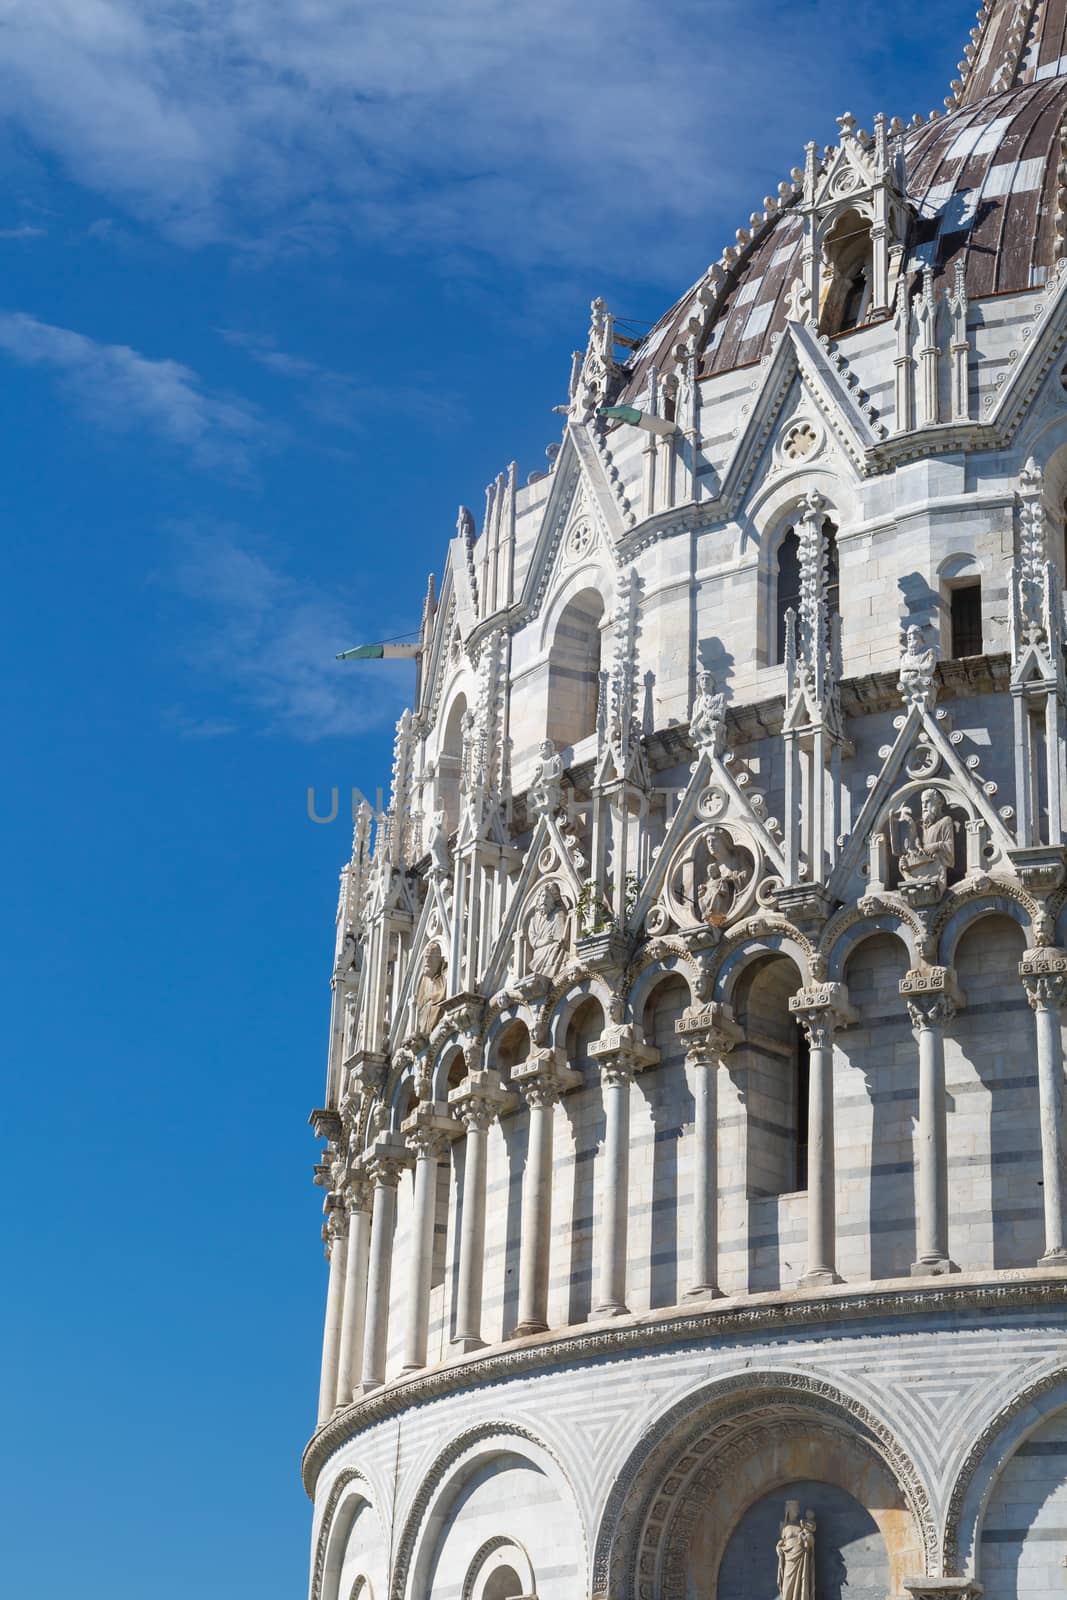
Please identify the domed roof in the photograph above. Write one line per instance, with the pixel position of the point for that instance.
(982, 182)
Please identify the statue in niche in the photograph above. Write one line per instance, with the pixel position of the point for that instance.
(917, 663)
(547, 933)
(926, 849)
(707, 721)
(352, 1024)
(430, 994)
(545, 785)
(796, 1554)
(723, 881)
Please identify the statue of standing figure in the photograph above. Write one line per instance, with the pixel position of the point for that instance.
(547, 932)
(796, 1554)
(431, 990)
(707, 720)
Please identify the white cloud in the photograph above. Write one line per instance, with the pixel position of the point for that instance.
(25, 230)
(340, 400)
(270, 640)
(537, 133)
(122, 390)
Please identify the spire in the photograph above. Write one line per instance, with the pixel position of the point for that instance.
(1013, 43)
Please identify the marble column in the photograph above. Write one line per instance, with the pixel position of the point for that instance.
(386, 1162)
(358, 1194)
(933, 998)
(620, 1057)
(541, 1079)
(428, 1136)
(821, 1010)
(335, 1238)
(477, 1102)
(709, 1033)
(1044, 974)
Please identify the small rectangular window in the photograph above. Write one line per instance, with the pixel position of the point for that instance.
(966, 612)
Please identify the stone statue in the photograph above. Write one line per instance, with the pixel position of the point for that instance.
(440, 865)
(546, 784)
(917, 663)
(796, 1554)
(925, 851)
(430, 994)
(547, 933)
(707, 721)
(723, 880)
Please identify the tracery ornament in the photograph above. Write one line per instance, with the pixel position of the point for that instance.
(430, 1481)
(998, 1298)
(642, 1479)
(979, 1449)
(342, 1483)
(710, 881)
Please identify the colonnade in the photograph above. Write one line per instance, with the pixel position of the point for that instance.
(361, 1218)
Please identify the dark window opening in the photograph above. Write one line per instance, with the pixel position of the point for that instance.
(966, 619)
(802, 1080)
(788, 590)
(855, 300)
(788, 584)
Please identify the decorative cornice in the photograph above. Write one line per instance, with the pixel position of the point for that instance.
(792, 1309)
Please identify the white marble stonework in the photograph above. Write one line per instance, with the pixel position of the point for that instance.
(695, 1153)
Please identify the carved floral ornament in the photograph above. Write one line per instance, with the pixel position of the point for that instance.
(801, 441)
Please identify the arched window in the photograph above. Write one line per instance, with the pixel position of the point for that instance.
(787, 596)
(574, 671)
(961, 601)
(848, 265)
(965, 602)
(504, 1584)
(450, 762)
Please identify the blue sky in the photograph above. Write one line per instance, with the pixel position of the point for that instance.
(282, 282)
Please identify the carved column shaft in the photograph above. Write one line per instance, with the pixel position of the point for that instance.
(542, 1078)
(477, 1102)
(335, 1233)
(385, 1167)
(620, 1057)
(933, 998)
(821, 1010)
(1044, 975)
(709, 1033)
(354, 1312)
(428, 1138)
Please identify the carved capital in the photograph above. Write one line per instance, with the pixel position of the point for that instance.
(932, 996)
(943, 1588)
(821, 1009)
(620, 1054)
(429, 1131)
(386, 1161)
(1044, 974)
(708, 1032)
(358, 1189)
(335, 1223)
(326, 1123)
(366, 1072)
(480, 1099)
(544, 1076)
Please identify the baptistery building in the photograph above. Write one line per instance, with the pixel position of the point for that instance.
(694, 1150)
